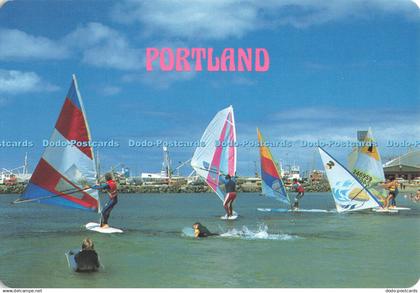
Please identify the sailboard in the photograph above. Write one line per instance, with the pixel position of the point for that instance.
(97, 228)
(348, 192)
(271, 183)
(216, 154)
(67, 167)
(365, 163)
(71, 261)
(281, 210)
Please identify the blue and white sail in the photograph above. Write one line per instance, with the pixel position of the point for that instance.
(348, 192)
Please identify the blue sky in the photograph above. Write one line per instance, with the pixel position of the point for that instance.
(335, 67)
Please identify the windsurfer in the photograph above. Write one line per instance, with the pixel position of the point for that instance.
(111, 188)
(300, 193)
(392, 186)
(87, 259)
(230, 186)
(201, 231)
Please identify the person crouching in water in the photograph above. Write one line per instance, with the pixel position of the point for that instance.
(300, 193)
(230, 187)
(87, 259)
(111, 188)
(201, 231)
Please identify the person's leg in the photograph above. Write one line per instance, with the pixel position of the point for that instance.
(386, 205)
(299, 196)
(232, 199)
(107, 211)
(230, 208)
(226, 204)
(105, 215)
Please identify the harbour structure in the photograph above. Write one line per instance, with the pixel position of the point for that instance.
(406, 166)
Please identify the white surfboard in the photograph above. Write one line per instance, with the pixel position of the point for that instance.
(233, 217)
(71, 261)
(400, 208)
(97, 228)
(278, 210)
(385, 210)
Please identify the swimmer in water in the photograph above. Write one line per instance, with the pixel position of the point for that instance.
(201, 231)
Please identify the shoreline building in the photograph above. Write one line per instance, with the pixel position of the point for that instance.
(406, 166)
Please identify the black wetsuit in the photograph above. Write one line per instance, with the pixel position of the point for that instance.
(87, 261)
(204, 232)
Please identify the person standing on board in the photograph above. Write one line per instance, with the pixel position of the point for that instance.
(230, 187)
(392, 187)
(300, 193)
(111, 188)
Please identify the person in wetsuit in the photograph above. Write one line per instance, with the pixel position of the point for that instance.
(87, 259)
(230, 187)
(111, 188)
(300, 193)
(201, 231)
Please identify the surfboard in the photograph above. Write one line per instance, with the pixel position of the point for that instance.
(233, 217)
(71, 261)
(96, 227)
(385, 210)
(188, 232)
(294, 211)
(400, 208)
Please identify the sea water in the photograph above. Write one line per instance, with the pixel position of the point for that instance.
(259, 249)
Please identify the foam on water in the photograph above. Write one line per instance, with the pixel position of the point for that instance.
(260, 233)
(247, 234)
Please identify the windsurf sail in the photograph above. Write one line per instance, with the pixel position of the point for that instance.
(67, 165)
(271, 182)
(216, 154)
(348, 192)
(365, 163)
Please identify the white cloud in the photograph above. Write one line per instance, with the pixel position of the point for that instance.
(311, 124)
(159, 79)
(111, 90)
(99, 45)
(190, 18)
(342, 122)
(16, 44)
(18, 82)
(102, 46)
(221, 19)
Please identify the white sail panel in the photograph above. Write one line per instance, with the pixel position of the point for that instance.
(348, 192)
(216, 154)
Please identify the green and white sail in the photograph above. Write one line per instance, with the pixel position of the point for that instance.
(348, 192)
(365, 163)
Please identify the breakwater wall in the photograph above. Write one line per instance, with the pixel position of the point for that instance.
(191, 188)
